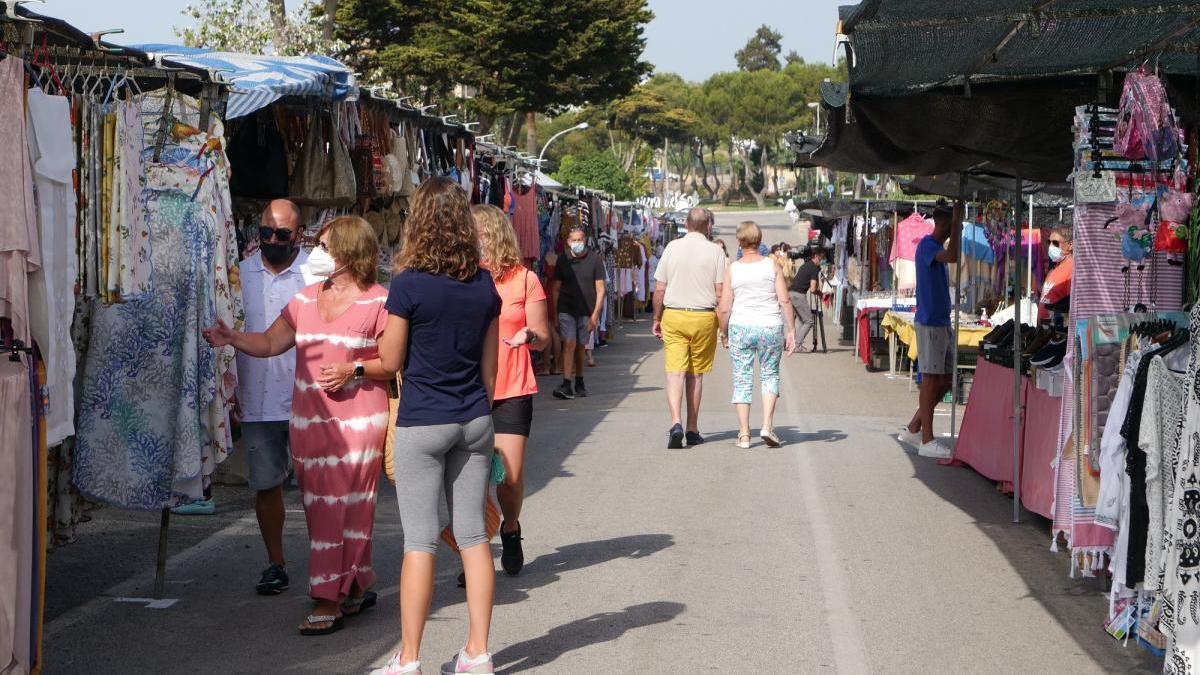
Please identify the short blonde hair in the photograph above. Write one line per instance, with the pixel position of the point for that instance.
(749, 234)
(352, 244)
(498, 241)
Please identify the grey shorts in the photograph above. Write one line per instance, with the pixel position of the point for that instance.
(935, 350)
(268, 454)
(574, 328)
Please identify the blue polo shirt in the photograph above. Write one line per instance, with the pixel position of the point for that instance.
(933, 285)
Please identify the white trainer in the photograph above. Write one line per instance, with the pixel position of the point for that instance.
(909, 438)
(935, 450)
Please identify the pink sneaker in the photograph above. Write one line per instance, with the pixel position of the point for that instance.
(461, 663)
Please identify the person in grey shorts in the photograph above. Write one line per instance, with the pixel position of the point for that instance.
(443, 328)
(935, 337)
(270, 278)
(578, 291)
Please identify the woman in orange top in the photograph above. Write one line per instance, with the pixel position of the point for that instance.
(523, 326)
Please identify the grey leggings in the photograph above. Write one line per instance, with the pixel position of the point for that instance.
(456, 458)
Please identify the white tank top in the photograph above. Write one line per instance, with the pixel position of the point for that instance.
(754, 299)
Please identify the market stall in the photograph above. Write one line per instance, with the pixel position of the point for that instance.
(1106, 95)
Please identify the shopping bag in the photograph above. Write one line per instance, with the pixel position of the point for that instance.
(324, 173)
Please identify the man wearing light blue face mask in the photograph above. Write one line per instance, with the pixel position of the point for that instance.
(578, 288)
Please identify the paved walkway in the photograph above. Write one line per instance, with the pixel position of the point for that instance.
(840, 552)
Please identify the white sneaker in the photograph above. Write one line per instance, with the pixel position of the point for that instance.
(394, 667)
(462, 664)
(909, 438)
(935, 450)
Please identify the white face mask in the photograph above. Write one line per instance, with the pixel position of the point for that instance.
(320, 263)
(578, 247)
(1056, 254)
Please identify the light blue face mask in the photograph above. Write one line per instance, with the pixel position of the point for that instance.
(578, 248)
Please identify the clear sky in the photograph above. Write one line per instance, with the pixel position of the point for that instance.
(694, 38)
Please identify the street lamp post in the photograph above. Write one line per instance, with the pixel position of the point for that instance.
(578, 127)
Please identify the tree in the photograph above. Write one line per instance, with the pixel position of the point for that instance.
(600, 171)
(793, 57)
(516, 56)
(761, 51)
(257, 27)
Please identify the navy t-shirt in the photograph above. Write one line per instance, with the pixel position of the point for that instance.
(933, 285)
(448, 322)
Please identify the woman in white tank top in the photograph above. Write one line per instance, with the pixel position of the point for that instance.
(756, 322)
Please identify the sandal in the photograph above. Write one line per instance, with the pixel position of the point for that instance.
(356, 606)
(768, 436)
(335, 622)
(743, 441)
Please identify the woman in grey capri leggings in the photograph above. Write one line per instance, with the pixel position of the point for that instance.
(442, 328)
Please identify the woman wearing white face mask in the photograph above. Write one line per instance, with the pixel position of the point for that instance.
(339, 412)
(1056, 292)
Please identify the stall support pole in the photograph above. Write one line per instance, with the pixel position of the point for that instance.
(954, 385)
(160, 567)
(1017, 325)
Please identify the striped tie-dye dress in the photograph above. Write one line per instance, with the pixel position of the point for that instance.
(337, 439)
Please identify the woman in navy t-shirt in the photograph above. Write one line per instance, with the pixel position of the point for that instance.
(442, 332)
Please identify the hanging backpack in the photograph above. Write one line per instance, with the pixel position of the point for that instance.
(1146, 127)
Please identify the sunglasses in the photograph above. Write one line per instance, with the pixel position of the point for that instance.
(280, 233)
(1056, 242)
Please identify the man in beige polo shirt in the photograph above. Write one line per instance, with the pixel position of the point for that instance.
(689, 281)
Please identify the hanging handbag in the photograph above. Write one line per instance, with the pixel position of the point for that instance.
(324, 174)
(1090, 189)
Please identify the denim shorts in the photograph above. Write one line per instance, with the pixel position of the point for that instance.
(268, 454)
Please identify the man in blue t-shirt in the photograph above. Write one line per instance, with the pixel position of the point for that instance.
(935, 336)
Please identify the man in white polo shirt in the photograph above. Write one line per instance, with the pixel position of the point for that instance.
(688, 282)
(270, 278)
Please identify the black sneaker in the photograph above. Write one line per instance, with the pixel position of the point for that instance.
(273, 582)
(675, 437)
(513, 557)
(694, 438)
(564, 391)
(580, 390)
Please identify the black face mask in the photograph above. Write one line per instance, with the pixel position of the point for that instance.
(277, 254)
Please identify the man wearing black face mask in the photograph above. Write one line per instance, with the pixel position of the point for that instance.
(270, 278)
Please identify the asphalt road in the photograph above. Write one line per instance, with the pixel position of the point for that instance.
(840, 552)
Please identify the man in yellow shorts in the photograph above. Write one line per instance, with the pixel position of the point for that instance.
(688, 283)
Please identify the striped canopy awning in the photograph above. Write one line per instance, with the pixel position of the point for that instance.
(260, 80)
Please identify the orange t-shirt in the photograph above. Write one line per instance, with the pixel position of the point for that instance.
(514, 368)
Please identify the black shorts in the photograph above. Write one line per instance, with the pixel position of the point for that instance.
(513, 415)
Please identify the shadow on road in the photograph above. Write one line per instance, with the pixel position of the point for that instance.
(789, 435)
(547, 569)
(595, 629)
(1076, 604)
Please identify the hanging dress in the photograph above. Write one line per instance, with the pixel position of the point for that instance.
(337, 439)
(1180, 620)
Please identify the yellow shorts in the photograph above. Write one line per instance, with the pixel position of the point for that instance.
(689, 340)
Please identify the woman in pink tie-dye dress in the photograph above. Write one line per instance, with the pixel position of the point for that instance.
(339, 413)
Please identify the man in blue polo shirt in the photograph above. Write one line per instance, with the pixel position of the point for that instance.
(935, 336)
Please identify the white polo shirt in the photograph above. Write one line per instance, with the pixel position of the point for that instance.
(265, 385)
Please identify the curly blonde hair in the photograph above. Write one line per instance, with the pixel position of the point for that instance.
(498, 240)
(440, 236)
(352, 243)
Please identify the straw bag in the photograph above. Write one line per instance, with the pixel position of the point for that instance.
(324, 174)
(389, 440)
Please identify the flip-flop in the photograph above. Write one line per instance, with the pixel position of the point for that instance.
(356, 606)
(336, 623)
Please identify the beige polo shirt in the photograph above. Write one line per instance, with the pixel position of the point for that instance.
(691, 267)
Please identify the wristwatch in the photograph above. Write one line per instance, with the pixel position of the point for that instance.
(532, 337)
(359, 370)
